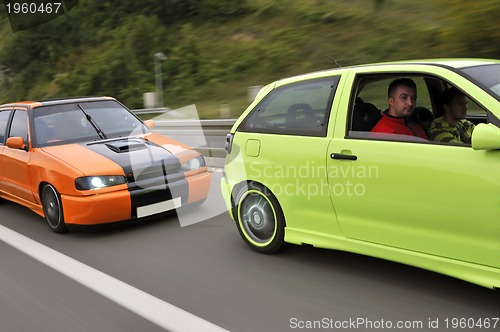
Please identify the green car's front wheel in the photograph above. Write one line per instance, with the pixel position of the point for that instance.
(260, 219)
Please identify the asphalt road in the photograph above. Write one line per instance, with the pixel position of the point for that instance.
(206, 269)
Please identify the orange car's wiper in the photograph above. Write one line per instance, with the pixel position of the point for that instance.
(93, 123)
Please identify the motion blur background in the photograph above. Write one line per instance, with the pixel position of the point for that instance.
(216, 49)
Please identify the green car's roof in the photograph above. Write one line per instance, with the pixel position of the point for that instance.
(456, 63)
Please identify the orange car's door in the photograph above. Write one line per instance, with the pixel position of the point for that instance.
(2, 175)
(4, 121)
(15, 161)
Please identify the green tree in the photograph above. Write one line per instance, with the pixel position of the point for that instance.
(469, 29)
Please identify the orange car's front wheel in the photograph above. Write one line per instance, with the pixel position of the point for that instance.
(52, 208)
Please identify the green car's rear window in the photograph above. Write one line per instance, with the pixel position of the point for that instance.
(295, 109)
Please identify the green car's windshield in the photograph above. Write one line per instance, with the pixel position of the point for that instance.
(488, 76)
(83, 122)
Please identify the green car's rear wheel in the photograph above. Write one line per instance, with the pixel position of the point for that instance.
(260, 219)
(52, 209)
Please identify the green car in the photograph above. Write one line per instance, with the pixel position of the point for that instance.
(305, 166)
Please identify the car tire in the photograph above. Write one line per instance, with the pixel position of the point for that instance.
(260, 219)
(52, 209)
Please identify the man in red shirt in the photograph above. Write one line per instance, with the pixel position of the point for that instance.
(402, 100)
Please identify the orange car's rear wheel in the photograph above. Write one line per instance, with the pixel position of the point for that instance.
(52, 208)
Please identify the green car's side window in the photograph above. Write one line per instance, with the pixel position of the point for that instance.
(295, 109)
(370, 101)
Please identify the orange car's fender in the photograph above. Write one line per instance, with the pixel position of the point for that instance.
(47, 169)
(53, 165)
(80, 207)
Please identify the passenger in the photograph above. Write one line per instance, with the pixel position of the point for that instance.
(402, 98)
(452, 126)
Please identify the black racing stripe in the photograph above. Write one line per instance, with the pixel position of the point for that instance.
(153, 173)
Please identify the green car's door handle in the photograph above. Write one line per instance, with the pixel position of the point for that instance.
(343, 156)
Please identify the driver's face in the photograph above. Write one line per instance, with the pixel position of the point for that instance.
(458, 107)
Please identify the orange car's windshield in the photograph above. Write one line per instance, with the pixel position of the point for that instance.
(83, 122)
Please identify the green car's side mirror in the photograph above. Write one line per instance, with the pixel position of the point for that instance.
(486, 137)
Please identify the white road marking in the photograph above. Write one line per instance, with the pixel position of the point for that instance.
(143, 304)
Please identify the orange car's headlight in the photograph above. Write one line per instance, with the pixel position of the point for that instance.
(193, 164)
(97, 182)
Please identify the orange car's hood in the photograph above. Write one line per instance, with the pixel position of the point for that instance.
(86, 161)
(123, 156)
(180, 150)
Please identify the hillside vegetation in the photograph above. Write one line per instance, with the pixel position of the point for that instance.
(217, 48)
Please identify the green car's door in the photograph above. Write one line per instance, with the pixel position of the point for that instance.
(436, 199)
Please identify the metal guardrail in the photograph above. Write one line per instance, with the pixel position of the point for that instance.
(206, 136)
(160, 110)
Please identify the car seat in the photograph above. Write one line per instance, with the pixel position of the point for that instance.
(365, 116)
(423, 116)
(42, 130)
(300, 116)
(63, 127)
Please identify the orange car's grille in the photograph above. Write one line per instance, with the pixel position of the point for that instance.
(149, 173)
(154, 175)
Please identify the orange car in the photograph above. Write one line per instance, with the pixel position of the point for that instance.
(88, 161)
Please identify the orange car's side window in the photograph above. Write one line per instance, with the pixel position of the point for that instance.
(19, 126)
(4, 120)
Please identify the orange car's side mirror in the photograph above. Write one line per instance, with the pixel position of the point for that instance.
(16, 143)
(150, 124)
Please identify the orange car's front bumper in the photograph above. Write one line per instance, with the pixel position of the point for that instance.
(117, 205)
(199, 186)
(97, 209)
